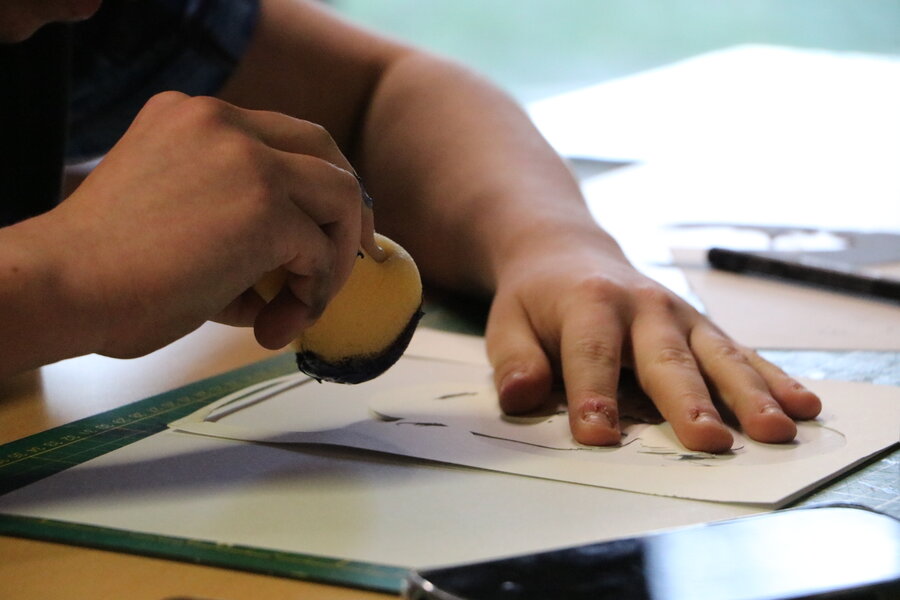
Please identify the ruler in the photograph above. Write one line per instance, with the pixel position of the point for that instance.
(38, 456)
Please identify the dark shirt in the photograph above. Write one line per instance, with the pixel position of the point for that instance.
(33, 90)
(68, 93)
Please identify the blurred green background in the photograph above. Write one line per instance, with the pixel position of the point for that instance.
(537, 48)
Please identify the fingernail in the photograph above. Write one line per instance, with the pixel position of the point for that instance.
(700, 416)
(315, 297)
(366, 198)
(510, 393)
(509, 382)
(596, 413)
(374, 250)
(320, 302)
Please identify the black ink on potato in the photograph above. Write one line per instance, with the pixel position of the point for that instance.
(367, 325)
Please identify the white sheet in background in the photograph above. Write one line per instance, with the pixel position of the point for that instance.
(639, 204)
(751, 101)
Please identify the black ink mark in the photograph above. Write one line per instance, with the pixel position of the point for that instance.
(677, 455)
(456, 395)
(690, 457)
(604, 449)
(387, 418)
(418, 424)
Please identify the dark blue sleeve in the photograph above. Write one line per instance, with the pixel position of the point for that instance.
(133, 49)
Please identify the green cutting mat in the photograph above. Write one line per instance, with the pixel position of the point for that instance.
(27, 460)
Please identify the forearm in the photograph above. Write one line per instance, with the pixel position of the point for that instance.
(460, 174)
(41, 320)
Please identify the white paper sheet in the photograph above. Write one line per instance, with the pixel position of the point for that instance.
(749, 101)
(639, 204)
(345, 504)
(448, 412)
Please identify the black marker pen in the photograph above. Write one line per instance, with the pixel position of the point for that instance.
(749, 262)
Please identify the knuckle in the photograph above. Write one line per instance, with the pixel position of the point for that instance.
(762, 366)
(729, 352)
(326, 260)
(596, 351)
(203, 110)
(755, 359)
(158, 109)
(349, 185)
(242, 151)
(318, 142)
(316, 263)
(257, 183)
(597, 288)
(655, 297)
(674, 357)
(163, 99)
(208, 105)
(345, 193)
(317, 134)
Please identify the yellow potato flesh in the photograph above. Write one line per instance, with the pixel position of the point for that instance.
(364, 322)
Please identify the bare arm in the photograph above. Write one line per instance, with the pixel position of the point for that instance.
(43, 321)
(440, 149)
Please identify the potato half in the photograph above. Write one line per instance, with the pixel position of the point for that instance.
(367, 325)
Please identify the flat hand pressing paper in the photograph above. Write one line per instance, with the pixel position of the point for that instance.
(447, 411)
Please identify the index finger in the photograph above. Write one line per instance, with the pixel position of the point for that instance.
(290, 134)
